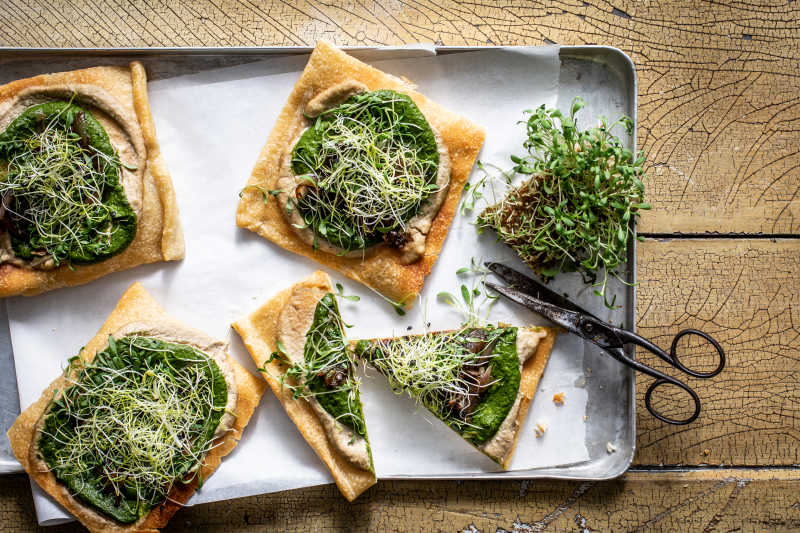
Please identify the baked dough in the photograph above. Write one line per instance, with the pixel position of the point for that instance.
(382, 269)
(136, 306)
(259, 331)
(116, 96)
(532, 370)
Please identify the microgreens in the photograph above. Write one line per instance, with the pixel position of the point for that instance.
(432, 368)
(265, 193)
(365, 168)
(136, 420)
(340, 293)
(470, 303)
(576, 211)
(327, 370)
(59, 190)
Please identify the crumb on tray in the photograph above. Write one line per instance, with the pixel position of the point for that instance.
(541, 427)
(558, 398)
(610, 448)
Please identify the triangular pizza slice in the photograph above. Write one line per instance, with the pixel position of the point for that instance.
(478, 381)
(298, 341)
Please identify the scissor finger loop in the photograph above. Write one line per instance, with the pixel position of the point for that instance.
(678, 422)
(673, 353)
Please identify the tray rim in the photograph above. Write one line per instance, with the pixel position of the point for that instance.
(625, 67)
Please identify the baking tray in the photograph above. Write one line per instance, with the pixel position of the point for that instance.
(604, 76)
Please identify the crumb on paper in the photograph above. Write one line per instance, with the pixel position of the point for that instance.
(585, 418)
(610, 448)
(541, 427)
(558, 398)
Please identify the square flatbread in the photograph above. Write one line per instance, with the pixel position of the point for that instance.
(135, 307)
(117, 97)
(382, 270)
(259, 332)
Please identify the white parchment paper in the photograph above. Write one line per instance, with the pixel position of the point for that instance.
(211, 127)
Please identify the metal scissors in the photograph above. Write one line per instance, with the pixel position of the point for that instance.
(556, 308)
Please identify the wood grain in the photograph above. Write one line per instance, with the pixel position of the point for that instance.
(718, 104)
(731, 500)
(745, 293)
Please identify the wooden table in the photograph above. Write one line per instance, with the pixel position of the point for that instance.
(719, 109)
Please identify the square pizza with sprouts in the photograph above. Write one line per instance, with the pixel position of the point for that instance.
(84, 190)
(361, 173)
(137, 421)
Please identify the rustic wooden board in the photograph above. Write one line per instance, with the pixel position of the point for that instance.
(731, 500)
(718, 105)
(745, 293)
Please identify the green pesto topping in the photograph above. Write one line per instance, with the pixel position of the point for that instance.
(468, 379)
(329, 370)
(132, 423)
(60, 187)
(365, 167)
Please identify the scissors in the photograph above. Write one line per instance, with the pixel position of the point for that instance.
(574, 319)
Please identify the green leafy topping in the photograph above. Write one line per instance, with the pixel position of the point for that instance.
(468, 379)
(60, 189)
(327, 372)
(575, 212)
(133, 422)
(365, 167)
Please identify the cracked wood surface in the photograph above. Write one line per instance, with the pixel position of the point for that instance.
(731, 500)
(718, 105)
(746, 294)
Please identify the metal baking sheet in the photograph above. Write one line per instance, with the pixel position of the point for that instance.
(604, 76)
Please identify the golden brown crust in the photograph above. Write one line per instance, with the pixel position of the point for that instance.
(259, 332)
(381, 270)
(136, 305)
(159, 236)
(532, 372)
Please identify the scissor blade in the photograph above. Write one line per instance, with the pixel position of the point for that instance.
(520, 281)
(565, 318)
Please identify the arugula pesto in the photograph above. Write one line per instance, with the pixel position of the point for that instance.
(60, 187)
(136, 420)
(468, 379)
(365, 168)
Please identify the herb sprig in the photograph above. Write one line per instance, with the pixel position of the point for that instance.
(575, 212)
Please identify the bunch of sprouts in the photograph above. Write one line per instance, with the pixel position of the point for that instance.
(432, 369)
(134, 419)
(54, 186)
(365, 169)
(327, 370)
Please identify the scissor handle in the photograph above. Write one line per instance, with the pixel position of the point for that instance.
(618, 337)
(677, 363)
(671, 357)
(678, 422)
